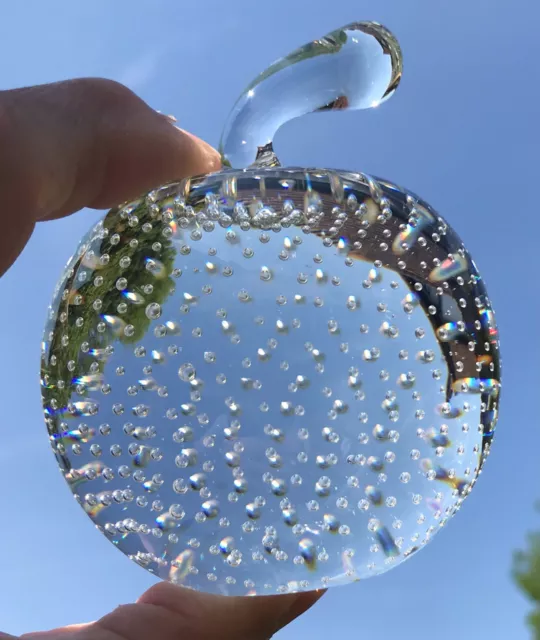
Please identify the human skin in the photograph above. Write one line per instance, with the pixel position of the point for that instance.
(93, 143)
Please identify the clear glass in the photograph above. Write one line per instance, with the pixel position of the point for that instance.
(271, 379)
(356, 67)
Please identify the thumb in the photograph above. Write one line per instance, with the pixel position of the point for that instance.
(170, 612)
(83, 143)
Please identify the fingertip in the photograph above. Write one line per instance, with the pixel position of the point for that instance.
(254, 617)
(145, 151)
(300, 605)
(209, 157)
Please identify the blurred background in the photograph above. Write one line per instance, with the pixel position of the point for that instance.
(462, 131)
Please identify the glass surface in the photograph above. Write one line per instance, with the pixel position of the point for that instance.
(271, 379)
(356, 67)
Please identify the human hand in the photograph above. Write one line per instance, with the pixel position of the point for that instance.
(168, 612)
(93, 143)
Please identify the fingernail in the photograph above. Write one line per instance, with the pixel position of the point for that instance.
(167, 116)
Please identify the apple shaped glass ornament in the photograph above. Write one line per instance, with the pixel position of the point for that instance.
(274, 379)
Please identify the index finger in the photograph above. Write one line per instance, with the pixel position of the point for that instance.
(83, 143)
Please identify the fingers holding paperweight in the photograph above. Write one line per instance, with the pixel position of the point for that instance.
(273, 379)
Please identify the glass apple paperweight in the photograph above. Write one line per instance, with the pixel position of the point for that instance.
(273, 379)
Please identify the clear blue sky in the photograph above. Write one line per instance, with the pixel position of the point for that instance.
(462, 131)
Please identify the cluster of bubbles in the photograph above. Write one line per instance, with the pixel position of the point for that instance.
(271, 380)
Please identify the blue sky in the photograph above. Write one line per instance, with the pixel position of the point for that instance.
(462, 131)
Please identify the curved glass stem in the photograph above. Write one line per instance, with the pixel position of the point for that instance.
(356, 67)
